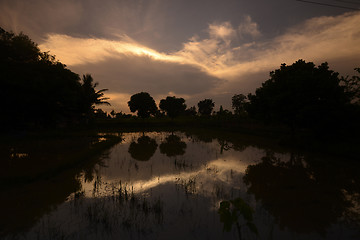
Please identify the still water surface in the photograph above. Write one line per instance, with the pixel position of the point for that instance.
(175, 185)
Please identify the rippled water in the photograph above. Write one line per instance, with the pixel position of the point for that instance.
(173, 185)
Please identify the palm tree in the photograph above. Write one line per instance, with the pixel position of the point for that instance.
(91, 97)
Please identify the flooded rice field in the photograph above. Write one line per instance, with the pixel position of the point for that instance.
(175, 185)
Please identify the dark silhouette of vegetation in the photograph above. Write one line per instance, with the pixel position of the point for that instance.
(118, 115)
(39, 90)
(223, 112)
(314, 191)
(232, 211)
(173, 146)
(143, 103)
(302, 95)
(191, 111)
(238, 102)
(173, 106)
(352, 87)
(205, 107)
(92, 97)
(143, 149)
(101, 114)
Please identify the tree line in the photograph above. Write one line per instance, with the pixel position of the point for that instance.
(300, 96)
(144, 105)
(41, 91)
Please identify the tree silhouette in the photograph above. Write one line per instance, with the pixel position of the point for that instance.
(238, 104)
(143, 149)
(173, 146)
(352, 87)
(223, 113)
(39, 90)
(91, 97)
(18, 48)
(100, 114)
(206, 106)
(300, 95)
(191, 111)
(173, 106)
(143, 103)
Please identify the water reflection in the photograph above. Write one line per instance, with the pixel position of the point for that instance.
(38, 174)
(226, 187)
(173, 146)
(301, 194)
(230, 213)
(143, 149)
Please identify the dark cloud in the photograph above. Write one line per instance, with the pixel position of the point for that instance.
(131, 74)
(160, 24)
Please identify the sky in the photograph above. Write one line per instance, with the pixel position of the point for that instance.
(194, 49)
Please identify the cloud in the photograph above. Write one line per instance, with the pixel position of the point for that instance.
(125, 75)
(223, 31)
(131, 74)
(221, 49)
(245, 66)
(39, 16)
(318, 39)
(76, 51)
(248, 27)
(227, 61)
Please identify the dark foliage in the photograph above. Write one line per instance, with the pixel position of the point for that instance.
(223, 112)
(173, 106)
(143, 103)
(38, 90)
(205, 107)
(90, 96)
(191, 111)
(238, 102)
(352, 87)
(302, 95)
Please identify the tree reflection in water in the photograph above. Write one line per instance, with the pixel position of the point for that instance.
(302, 195)
(231, 212)
(114, 196)
(38, 174)
(143, 149)
(173, 146)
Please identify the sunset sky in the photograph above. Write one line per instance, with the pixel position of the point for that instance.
(194, 49)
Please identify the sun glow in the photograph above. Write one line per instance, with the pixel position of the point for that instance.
(77, 51)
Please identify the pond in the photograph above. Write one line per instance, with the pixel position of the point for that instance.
(175, 185)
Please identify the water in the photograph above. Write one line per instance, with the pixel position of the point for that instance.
(175, 185)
